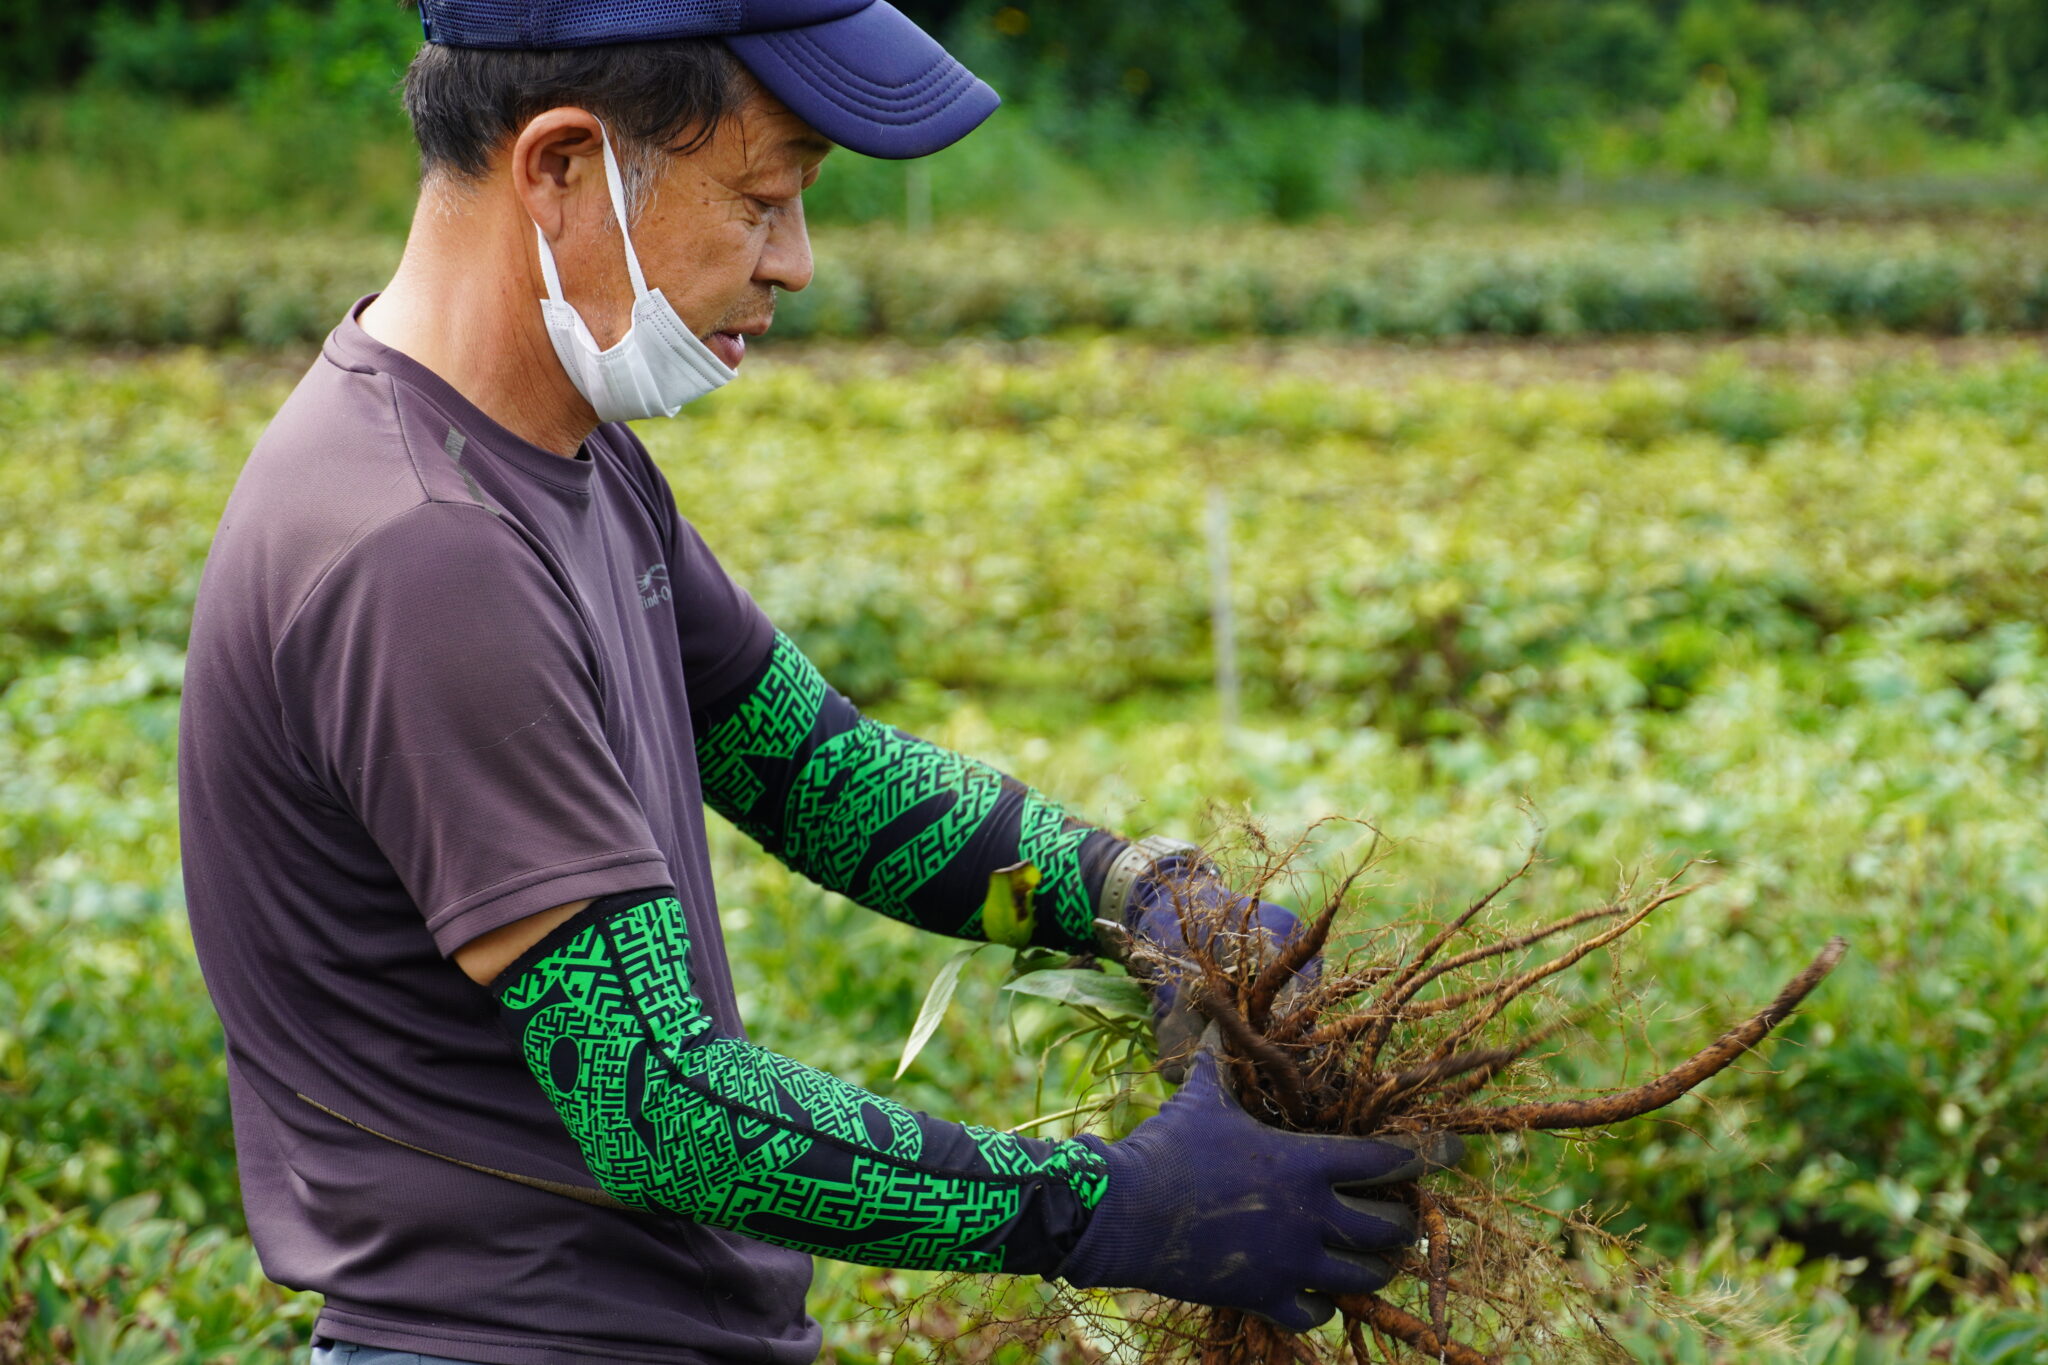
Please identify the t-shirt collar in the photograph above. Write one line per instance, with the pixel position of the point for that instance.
(352, 348)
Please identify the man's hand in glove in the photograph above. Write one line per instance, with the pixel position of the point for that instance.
(1208, 1205)
(1153, 916)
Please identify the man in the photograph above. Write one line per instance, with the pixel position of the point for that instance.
(461, 681)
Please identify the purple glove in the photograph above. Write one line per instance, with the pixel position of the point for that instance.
(1151, 916)
(1208, 1205)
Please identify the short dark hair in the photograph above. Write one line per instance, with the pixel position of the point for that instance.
(670, 95)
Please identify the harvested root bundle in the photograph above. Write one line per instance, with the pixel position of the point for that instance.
(1417, 1028)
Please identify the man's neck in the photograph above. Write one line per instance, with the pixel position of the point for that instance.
(463, 304)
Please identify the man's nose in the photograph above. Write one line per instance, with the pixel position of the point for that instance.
(786, 259)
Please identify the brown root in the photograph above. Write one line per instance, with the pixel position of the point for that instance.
(1376, 1313)
(1290, 959)
(1409, 1034)
(1374, 1049)
(1500, 995)
(1279, 1070)
(1651, 1095)
(1436, 1229)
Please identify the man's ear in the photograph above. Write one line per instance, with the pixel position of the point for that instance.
(557, 169)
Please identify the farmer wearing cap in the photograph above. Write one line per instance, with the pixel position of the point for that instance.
(461, 684)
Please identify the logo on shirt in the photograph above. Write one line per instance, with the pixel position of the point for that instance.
(654, 587)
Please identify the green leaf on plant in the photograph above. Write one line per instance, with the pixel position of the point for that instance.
(123, 1214)
(934, 1008)
(1119, 997)
(1007, 914)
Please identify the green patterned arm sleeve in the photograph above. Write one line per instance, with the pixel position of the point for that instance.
(671, 1115)
(901, 825)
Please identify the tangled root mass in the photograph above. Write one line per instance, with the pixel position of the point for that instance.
(1416, 1028)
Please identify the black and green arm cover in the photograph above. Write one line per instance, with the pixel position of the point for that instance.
(672, 1115)
(901, 825)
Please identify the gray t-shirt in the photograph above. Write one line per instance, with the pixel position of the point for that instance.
(441, 679)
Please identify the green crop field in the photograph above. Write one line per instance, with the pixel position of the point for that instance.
(1780, 606)
(1580, 274)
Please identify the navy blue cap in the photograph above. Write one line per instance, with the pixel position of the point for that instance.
(858, 71)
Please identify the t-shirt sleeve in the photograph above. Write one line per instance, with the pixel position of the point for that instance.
(723, 633)
(441, 685)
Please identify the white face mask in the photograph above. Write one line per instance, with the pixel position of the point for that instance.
(657, 366)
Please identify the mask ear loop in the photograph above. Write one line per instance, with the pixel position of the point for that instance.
(547, 267)
(615, 181)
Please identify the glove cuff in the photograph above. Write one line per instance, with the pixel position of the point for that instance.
(1147, 1182)
(1132, 865)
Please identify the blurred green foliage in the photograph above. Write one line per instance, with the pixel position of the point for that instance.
(1530, 61)
(123, 117)
(1573, 279)
(1971, 63)
(125, 1286)
(1788, 618)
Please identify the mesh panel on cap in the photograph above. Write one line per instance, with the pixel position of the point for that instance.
(764, 15)
(475, 23)
(568, 23)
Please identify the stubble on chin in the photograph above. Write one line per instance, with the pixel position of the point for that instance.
(750, 311)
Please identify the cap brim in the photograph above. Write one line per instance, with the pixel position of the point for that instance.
(873, 82)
